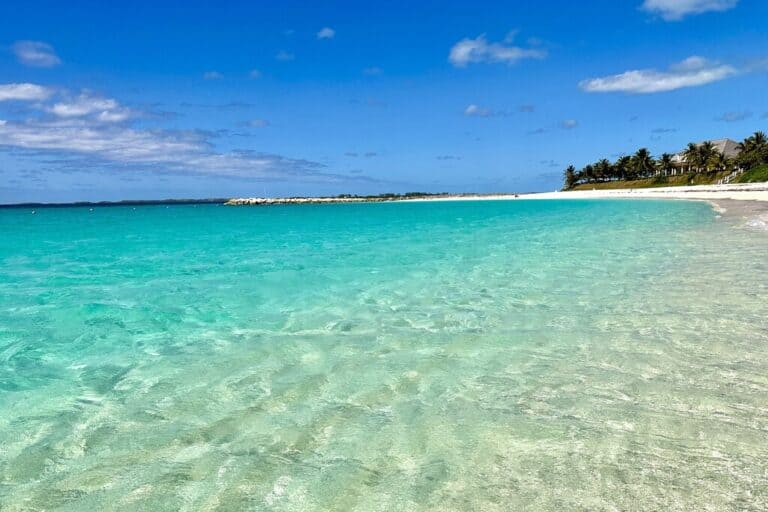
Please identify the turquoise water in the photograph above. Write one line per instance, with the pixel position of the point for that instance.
(537, 355)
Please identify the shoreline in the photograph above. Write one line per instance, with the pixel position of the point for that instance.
(747, 201)
(757, 192)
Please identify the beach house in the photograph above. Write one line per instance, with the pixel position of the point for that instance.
(727, 147)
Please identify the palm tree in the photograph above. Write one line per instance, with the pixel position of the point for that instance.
(745, 145)
(666, 165)
(691, 155)
(761, 147)
(589, 173)
(621, 169)
(720, 162)
(603, 169)
(570, 177)
(642, 162)
(707, 152)
(753, 151)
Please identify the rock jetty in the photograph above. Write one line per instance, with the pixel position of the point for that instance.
(346, 198)
(267, 201)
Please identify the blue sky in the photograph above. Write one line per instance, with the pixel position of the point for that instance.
(157, 100)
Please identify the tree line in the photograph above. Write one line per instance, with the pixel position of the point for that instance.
(698, 158)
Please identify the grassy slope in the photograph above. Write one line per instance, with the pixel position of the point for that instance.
(669, 181)
(755, 175)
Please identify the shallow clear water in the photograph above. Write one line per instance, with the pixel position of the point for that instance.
(541, 355)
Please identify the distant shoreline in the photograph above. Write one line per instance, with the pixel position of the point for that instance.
(127, 202)
(735, 192)
(383, 198)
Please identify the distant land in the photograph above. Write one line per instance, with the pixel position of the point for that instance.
(341, 198)
(126, 202)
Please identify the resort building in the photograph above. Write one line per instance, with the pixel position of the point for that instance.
(728, 147)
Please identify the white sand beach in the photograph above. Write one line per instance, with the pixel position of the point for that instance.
(740, 192)
(748, 201)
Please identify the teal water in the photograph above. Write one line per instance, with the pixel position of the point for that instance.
(537, 355)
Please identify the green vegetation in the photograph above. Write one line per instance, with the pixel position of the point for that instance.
(756, 175)
(701, 164)
(658, 181)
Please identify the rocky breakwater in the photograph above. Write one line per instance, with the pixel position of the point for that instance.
(267, 201)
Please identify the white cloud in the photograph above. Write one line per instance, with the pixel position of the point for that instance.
(470, 51)
(476, 111)
(692, 72)
(177, 151)
(114, 116)
(732, 117)
(212, 75)
(254, 73)
(326, 33)
(24, 92)
(284, 56)
(257, 123)
(84, 130)
(36, 54)
(673, 10)
(569, 124)
(82, 106)
(103, 109)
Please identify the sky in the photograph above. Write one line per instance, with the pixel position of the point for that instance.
(152, 100)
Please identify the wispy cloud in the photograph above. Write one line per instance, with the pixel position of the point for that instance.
(692, 72)
(732, 117)
(355, 154)
(231, 105)
(477, 111)
(477, 50)
(663, 130)
(448, 157)
(257, 123)
(187, 152)
(101, 109)
(284, 56)
(373, 71)
(326, 33)
(569, 124)
(80, 129)
(254, 73)
(212, 75)
(36, 54)
(674, 10)
(527, 109)
(24, 92)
